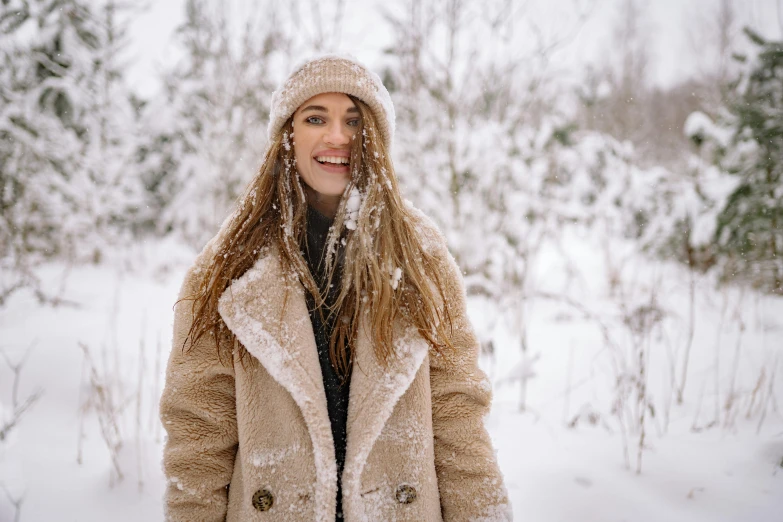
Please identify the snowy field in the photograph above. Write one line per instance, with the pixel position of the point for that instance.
(89, 449)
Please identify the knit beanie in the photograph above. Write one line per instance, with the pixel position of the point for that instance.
(332, 73)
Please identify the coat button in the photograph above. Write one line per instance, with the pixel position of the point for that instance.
(263, 500)
(405, 494)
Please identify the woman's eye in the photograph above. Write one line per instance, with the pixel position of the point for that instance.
(354, 122)
(315, 120)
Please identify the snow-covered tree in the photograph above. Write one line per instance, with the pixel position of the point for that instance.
(486, 146)
(749, 230)
(469, 111)
(66, 134)
(207, 132)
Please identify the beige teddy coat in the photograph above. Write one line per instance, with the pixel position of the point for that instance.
(416, 450)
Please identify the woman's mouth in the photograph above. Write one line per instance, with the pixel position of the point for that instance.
(333, 163)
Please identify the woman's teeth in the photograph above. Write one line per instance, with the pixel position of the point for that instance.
(332, 159)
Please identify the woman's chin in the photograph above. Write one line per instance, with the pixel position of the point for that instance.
(330, 190)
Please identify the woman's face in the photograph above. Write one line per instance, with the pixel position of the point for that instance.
(324, 127)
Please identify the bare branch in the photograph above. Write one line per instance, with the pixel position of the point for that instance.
(18, 408)
(15, 501)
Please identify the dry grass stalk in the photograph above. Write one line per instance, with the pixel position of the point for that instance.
(770, 395)
(691, 330)
(101, 399)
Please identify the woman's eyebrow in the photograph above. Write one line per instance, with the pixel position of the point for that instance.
(321, 108)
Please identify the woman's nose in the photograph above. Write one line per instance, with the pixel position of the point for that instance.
(337, 134)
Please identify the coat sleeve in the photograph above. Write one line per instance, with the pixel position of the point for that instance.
(198, 411)
(469, 480)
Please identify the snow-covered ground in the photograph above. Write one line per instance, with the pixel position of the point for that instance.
(592, 307)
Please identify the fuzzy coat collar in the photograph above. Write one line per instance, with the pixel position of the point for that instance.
(266, 309)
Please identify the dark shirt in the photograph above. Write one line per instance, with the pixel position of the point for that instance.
(336, 390)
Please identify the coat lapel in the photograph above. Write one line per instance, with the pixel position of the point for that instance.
(267, 311)
(375, 390)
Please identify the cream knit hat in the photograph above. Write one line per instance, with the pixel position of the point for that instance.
(332, 73)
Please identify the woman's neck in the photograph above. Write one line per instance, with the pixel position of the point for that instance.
(326, 205)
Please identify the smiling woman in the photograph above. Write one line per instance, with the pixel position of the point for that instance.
(324, 128)
(323, 365)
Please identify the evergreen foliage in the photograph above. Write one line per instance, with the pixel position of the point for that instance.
(66, 129)
(749, 232)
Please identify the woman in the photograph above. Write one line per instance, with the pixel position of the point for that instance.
(323, 365)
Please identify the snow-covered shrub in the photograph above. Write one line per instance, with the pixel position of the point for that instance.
(742, 149)
(207, 133)
(475, 126)
(66, 134)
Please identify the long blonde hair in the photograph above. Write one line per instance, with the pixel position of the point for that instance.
(385, 273)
